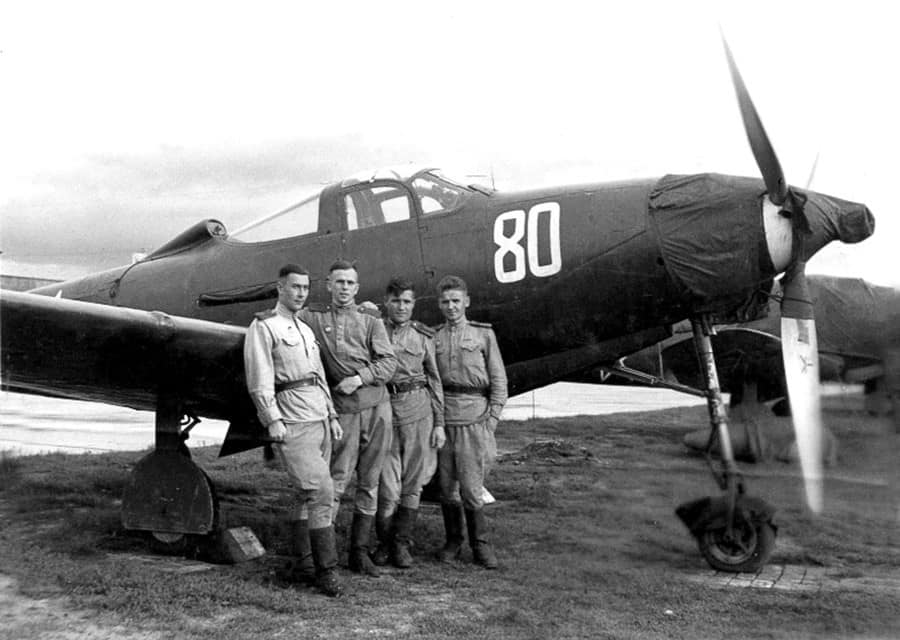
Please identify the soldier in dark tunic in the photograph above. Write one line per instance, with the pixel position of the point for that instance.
(358, 361)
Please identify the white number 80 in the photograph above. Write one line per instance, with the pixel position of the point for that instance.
(509, 244)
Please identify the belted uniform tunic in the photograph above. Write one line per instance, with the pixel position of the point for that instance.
(475, 390)
(417, 404)
(280, 349)
(354, 342)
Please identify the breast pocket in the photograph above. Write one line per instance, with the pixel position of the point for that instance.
(290, 341)
(412, 355)
(415, 350)
(287, 349)
(471, 354)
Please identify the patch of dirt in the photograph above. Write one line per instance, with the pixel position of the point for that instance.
(547, 452)
(24, 618)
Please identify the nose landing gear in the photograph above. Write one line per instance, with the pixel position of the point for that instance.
(734, 531)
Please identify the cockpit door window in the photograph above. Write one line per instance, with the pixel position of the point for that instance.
(376, 205)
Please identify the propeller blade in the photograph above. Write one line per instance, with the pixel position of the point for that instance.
(801, 367)
(765, 156)
(812, 172)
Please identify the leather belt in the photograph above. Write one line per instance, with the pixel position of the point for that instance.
(293, 384)
(358, 389)
(400, 387)
(458, 389)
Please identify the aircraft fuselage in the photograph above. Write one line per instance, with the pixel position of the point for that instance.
(556, 271)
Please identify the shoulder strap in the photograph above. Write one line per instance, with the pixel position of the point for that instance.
(375, 313)
(318, 307)
(265, 315)
(421, 328)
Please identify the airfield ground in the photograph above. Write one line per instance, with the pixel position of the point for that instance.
(584, 527)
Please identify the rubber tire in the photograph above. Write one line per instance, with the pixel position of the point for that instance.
(722, 556)
(169, 544)
(185, 544)
(782, 408)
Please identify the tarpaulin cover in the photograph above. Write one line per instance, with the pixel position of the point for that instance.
(855, 317)
(711, 235)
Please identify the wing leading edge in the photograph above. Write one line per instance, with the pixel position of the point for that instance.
(127, 357)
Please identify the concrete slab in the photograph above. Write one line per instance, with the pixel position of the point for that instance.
(787, 577)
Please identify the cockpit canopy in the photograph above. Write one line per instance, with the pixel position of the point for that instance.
(364, 200)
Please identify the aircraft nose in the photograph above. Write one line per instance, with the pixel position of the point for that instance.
(831, 218)
(856, 223)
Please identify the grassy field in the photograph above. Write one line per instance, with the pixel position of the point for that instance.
(584, 528)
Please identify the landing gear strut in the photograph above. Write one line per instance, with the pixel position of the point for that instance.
(734, 531)
(167, 494)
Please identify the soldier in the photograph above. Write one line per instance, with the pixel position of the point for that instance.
(286, 381)
(417, 404)
(474, 382)
(358, 361)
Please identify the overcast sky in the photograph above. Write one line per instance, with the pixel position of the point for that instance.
(125, 123)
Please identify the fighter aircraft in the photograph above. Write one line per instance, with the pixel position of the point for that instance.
(571, 278)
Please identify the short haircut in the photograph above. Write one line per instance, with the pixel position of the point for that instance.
(340, 265)
(398, 285)
(290, 268)
(452, 282)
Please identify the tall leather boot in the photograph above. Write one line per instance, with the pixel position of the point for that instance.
(384, 533)
(453, 528)
(359, 545)
(404, 522)
(324, 556)
(303, 569)
(482, 552)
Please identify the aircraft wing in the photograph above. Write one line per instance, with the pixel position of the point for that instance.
(857, 325)
(742, 354)
(86, 351)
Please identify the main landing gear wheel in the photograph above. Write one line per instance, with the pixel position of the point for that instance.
(745, 551)
(170, 544)
(188, 544)
(172, 499)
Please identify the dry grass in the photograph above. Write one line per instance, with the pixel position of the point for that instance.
(9, 467)
(584, 527)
